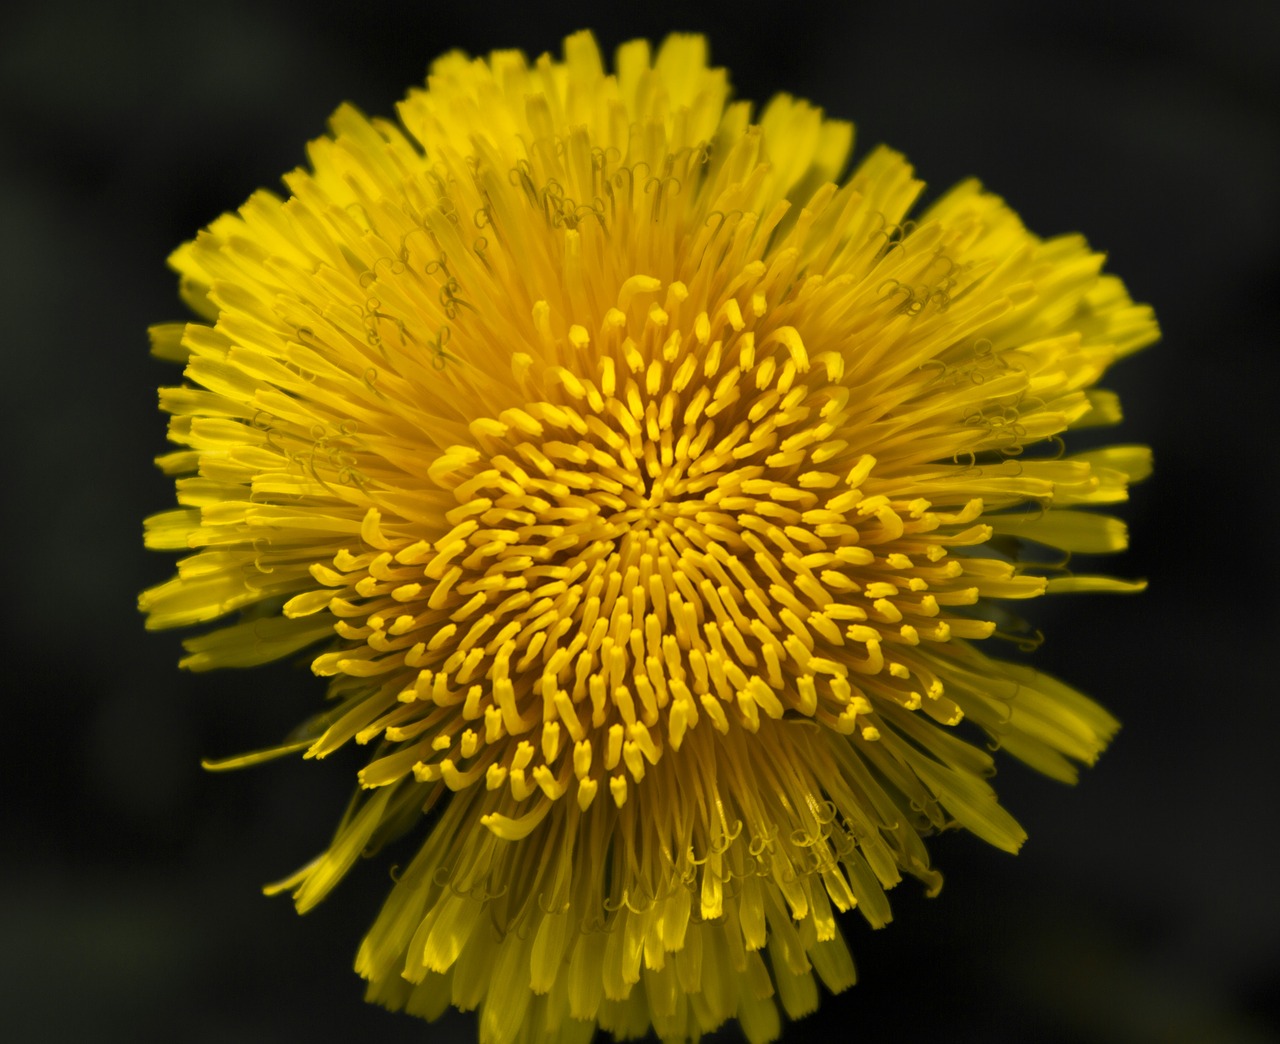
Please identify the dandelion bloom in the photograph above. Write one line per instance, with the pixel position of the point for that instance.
(644, 493)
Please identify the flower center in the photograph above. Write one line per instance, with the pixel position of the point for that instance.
(626, 557)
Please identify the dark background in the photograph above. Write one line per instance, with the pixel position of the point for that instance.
(1145, 906)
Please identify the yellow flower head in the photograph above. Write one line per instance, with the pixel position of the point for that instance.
(642, 491)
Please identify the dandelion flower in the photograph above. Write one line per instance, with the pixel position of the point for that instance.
(644, 491)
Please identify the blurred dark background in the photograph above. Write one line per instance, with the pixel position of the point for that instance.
(1144, 907)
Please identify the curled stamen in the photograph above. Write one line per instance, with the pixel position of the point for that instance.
(942, 370)
(758, 845)
(439, 357)
(659, 187)
(405, 252)
(843, 843)
(633, 172)
(521, 175)
(395, 266)
(909, 297)
(1059, 447)
(549, 907)
(894, 235)
(446, 206)
(307, 338)
(940, 255)
(594, 209)
(450, 300)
